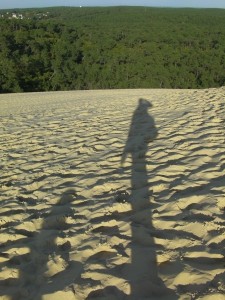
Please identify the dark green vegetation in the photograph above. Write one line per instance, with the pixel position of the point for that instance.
(117, 47)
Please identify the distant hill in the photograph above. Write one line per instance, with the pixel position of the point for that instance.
(111, 47)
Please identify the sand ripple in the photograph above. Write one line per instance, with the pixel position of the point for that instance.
(76, 224)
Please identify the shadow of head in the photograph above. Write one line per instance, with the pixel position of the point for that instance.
(67, 197)
(145, 104)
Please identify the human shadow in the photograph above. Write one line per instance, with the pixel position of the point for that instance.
(142, 273)
(46, 268)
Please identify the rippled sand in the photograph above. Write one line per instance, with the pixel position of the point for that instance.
(105, 197)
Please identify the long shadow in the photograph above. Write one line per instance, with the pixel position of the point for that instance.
(143, 274)
(39, 269)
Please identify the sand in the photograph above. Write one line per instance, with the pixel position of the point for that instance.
(114, 194)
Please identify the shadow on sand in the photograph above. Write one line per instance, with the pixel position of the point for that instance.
(46, 268)
(142, 272)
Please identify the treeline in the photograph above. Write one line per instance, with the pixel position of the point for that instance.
(116, 47)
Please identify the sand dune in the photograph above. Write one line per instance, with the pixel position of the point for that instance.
(113, 195)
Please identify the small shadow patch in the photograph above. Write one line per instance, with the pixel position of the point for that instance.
(122, 196)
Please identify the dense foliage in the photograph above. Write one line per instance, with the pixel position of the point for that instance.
(114, 47)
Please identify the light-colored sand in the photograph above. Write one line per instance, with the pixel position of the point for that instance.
(76, 224)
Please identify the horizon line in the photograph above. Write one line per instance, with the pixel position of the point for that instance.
(111, 6)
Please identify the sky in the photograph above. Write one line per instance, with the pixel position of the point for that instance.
(168, 3)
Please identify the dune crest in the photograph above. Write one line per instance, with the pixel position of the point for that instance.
(114, 194)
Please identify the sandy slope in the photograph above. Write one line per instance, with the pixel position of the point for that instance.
(76, 224)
